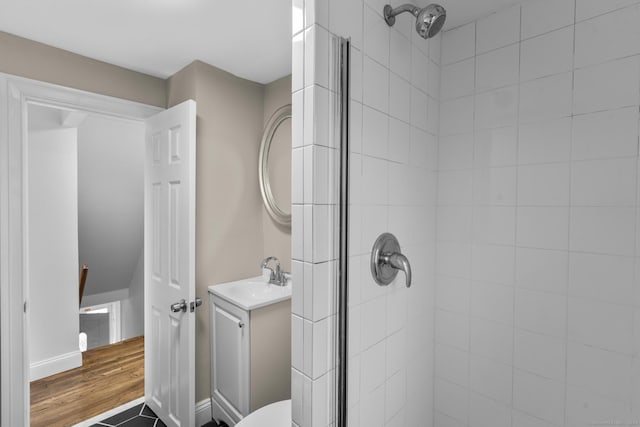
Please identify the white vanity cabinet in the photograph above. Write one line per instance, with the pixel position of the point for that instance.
(250, 348)
(230, 363)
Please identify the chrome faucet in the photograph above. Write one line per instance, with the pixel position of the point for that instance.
(277, 276)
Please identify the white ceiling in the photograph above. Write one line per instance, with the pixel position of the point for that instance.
(249, 38)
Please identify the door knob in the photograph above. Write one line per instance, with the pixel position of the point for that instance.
(177, 307)
(386, 260)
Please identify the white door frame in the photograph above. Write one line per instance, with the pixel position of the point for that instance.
(15, 94)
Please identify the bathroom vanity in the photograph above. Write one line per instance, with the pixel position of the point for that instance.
(250, 346)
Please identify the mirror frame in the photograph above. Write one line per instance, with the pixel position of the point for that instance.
(280, 216)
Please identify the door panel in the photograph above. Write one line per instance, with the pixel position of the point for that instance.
(170, 264)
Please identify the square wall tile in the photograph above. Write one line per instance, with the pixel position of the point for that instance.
(619, 128)
(499, 29)
(607, 37)
(603, 230)
(376, 36)
(452, 329)
(493, 263)
(543, 227)
(604, 277)
(419, 70)
(495, 147)
(497, 108)
(487, 412)
(492, 302)
(452, 364)
(542, 16)
(297, 62)
(545, 142)
(316, 56)
(548, 54)
(604, 182)
(600, 371)
(453, 294)
(400, 55)
(544, 185)
(495, 186)
(541, 313)
(455, 187)
(375, 85)
(596, 90)
(546, 98)
(601, 324)
(540, 354)
(458, 79)
(451, 399)
(375, 133)
(455, 152)
(399, 98)
(586, 9)
(494, 225)
(345, 19)
(542, 270)
(459, 43)
(399, 141)
(491, 340)
(491, 379)
(497, 68)
(549, 397)
(456, 116)
(584, 406)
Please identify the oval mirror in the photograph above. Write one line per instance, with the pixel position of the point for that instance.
(274, 166)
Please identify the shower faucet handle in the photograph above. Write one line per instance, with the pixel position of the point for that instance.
(386, 260)
(399, 262)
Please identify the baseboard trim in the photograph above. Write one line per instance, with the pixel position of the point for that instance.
(54, 365)
(203, 412)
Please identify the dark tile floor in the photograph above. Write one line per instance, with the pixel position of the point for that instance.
(138, 416)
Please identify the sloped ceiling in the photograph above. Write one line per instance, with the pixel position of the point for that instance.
(249, 38)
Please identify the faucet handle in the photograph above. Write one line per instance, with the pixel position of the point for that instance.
(267, 260)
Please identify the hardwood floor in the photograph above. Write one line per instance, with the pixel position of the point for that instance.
(109, 377)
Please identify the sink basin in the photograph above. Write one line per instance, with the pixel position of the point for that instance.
(251, 293)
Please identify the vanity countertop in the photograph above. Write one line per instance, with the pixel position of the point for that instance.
(251, 293)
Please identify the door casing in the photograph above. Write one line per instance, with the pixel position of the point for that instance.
(15, 95)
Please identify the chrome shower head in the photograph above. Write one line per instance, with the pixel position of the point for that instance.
(429, 20)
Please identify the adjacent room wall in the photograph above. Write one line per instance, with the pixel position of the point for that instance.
(53, 252)
(132, 308)
(537, 299)
(27, 58)
(277, 239)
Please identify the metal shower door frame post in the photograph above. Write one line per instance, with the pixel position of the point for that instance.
(342, 356)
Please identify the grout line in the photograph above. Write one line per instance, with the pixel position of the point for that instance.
(515, 233)
(471, 237)
(570, 210)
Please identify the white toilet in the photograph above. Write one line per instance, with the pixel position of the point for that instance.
(274, 415)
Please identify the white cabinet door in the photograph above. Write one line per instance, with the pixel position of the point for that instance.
(169, 253)
(230, 356)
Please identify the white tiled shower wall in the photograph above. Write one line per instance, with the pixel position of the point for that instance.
(394, 128)
(538, 293)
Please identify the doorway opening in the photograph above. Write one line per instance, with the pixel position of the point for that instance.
(85, 213)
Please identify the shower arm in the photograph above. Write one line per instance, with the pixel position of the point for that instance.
(390, 13)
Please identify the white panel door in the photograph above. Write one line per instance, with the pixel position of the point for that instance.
(169, 255)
